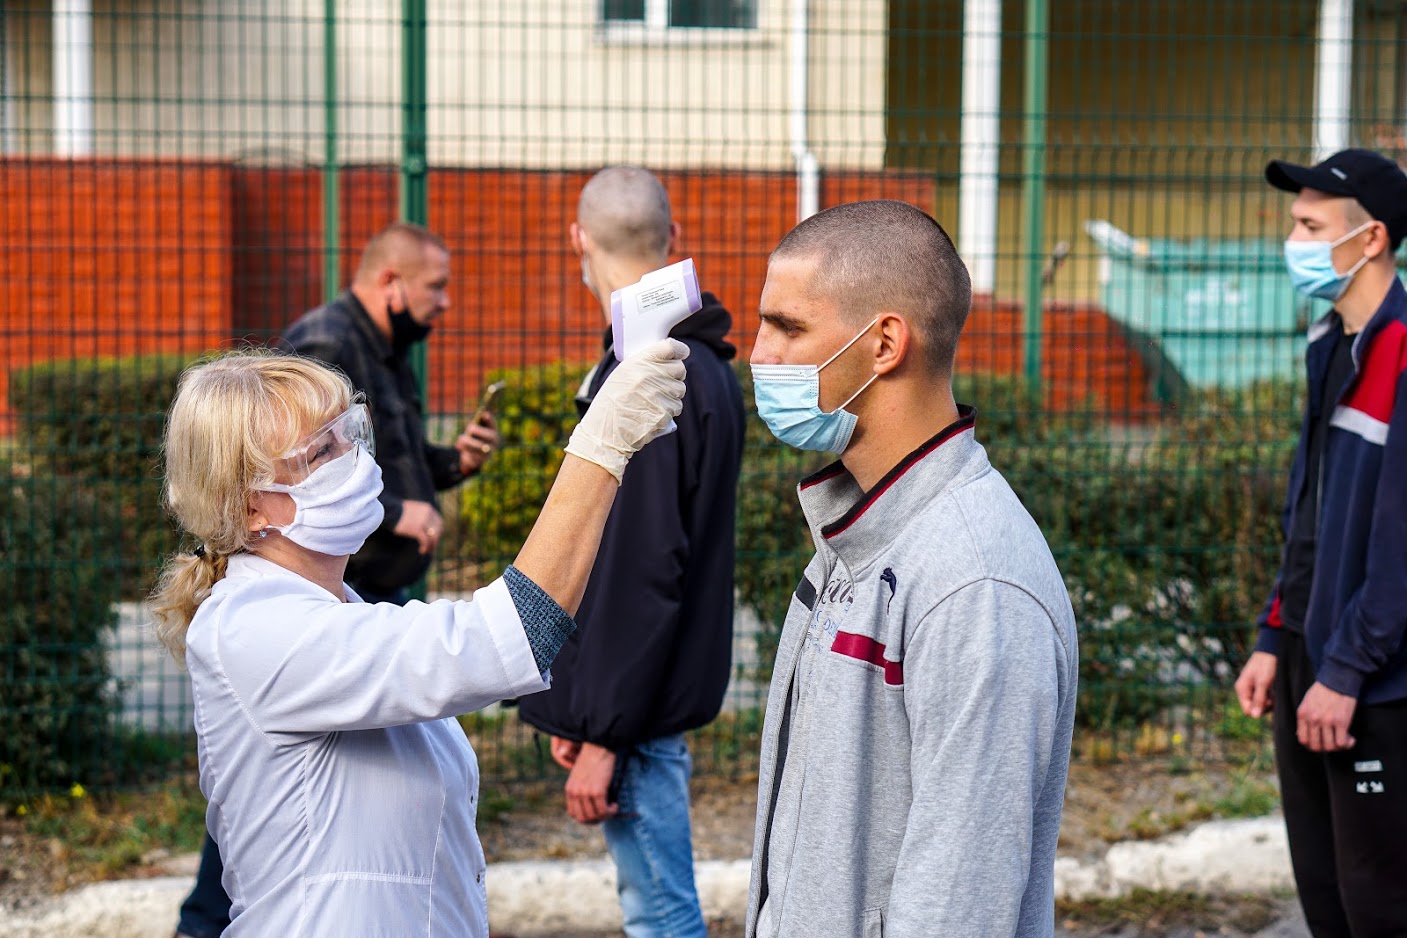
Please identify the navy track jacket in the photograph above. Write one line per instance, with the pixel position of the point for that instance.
(1357, 617)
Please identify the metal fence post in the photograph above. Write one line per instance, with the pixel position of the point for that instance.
(415, 202)
(331, 220)
(1033, 145)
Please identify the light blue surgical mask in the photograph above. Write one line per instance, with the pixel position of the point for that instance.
(1311, 266)
(789, 402)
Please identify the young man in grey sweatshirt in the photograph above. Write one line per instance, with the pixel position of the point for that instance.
(918, 727)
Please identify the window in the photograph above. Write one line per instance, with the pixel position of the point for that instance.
(682, 14)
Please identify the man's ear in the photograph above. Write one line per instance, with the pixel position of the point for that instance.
(386, 280)
(895, 342)
(1378, 242)
(578, 237)
(675, 233)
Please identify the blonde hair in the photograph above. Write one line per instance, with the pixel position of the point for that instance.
(231, 418)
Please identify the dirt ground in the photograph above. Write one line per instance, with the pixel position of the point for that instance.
(1104, 804)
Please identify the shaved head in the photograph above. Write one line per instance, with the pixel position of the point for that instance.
(625, 210)
(401, 246)
(887, 256)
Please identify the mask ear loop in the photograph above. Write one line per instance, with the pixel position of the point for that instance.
(1352, 271)
(863, 387)
(846, 347)
(858, 336)
(1354, 233)
(1344, 239)
(1356, 267)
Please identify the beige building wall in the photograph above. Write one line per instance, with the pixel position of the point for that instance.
(529, 84)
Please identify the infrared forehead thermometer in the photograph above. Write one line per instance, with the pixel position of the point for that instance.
(645, 312)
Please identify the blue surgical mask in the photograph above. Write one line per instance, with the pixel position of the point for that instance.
(1311, 266)
(789, 402)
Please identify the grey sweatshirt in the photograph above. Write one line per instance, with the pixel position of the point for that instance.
(918, 727)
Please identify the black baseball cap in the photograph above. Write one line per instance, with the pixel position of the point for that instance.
(1375, 181)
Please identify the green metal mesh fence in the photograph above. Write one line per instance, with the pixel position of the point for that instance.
(186, 175)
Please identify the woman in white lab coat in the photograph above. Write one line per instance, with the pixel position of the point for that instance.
(342, 793)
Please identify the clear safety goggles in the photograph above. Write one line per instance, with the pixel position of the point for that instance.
(349, 432)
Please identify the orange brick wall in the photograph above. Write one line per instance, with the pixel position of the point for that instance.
(1087, 361)
(111, 259)
(276, 247)
(518, 285)
(114, 258)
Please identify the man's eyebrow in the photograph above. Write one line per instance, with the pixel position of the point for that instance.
(781, 320)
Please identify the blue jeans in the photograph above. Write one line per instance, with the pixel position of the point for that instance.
(651, 844)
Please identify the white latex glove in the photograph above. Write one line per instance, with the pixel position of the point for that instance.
(638, 403)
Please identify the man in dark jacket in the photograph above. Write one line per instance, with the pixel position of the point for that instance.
(1332, 651)
(652, 652)
(401, 287)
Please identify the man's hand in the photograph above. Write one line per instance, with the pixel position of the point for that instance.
(421, 522)
(477, 443)
(1323, 720)
(1253, 687)
(564, 752)
(588, 784)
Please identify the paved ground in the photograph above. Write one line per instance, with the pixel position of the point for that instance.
(1291, 925)
(155, 692)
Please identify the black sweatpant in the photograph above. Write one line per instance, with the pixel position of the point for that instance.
(1346, 812)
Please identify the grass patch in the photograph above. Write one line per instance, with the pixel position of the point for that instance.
(1146, 909)
(93, 837)
(1250, 796)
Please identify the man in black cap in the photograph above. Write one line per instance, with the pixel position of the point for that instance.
(1332, 650)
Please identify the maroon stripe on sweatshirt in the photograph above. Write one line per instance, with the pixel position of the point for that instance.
(868, 650)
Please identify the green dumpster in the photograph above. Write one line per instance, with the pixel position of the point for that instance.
(1223, 313)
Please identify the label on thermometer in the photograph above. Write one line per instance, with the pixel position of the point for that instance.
(646, 312)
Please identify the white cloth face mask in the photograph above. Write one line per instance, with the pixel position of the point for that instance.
(337, 505)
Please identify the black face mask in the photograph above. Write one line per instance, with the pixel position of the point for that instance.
(405, 331)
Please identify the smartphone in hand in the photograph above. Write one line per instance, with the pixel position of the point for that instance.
(486, 401)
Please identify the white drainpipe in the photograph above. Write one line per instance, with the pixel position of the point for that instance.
(980, 137)
(808, 170)
(73, 77)
(1333, 78)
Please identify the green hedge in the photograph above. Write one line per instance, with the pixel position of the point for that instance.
(58, 577)
(100, 421)
(1168, 536)
(498, 507)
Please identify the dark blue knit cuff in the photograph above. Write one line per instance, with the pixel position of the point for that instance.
(1269, 639)
(546, 624)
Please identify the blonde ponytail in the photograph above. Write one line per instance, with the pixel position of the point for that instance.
(186, 581)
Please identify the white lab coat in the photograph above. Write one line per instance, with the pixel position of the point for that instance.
(341, 796)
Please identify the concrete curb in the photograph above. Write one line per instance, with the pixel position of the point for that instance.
(546, 897)
(133, 908)
(1251, 856)
(534, 898)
